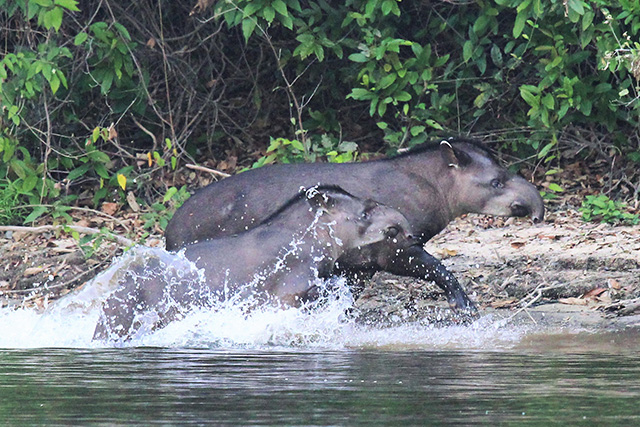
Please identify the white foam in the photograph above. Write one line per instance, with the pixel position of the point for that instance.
(70, 322)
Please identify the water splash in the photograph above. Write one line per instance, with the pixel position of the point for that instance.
(70, 322)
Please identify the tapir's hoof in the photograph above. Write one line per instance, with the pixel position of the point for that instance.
(465, 309)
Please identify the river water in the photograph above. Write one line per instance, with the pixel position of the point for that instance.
(290, 367)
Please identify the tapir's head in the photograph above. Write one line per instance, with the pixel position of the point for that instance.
(357, 223)
(479, 184)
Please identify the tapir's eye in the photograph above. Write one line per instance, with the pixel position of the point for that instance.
(496, 183)
(392, 231)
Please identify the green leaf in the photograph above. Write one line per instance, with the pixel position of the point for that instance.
(98, 156)
(297, 145)
(106, 83)
(387, 80)
(361, 94)
(577, 5)
(101, 170)
(358, 57)
(248, 26)
(56, 18)
(403, 96)
(387, 7)
(434, 124)
(416, 130)
(62, 78)
(78, 172)
(481, 99)
(35, 214)
(523, 5)
(71, 5)
(29, 183)
(545, 150)
(54, 82)
(467, 50)
(169, 194)
(518, 25)
(480, 25)
(80, 38)
(531, 99)
(555, 187)
(269, 14)
(280, 7)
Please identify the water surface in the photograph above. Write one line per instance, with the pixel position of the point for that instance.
(319, 387)
(296, 367)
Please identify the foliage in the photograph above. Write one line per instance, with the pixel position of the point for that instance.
(601, 208)
(100, 99)
(160, 213)
(9, 205)
(282, 150)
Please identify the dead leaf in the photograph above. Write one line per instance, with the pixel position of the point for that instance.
(155, 243)
(32, 271)
(446, 253)
(613, 284)
(83, 223)
(18, 236)
(112, 132)
(110, 208)
(572, 301)
(550, 236)
(593, 293)
(604, 298)
(503, 303)
(518, 245)
(131, 200)
(65, 246)
(200, 6)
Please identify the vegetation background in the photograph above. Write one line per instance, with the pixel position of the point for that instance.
(103, 103)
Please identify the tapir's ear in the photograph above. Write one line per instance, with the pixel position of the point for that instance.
(319, 199)
(454, 157)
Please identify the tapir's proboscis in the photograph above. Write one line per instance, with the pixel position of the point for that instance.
(281, 261)
(430, 184)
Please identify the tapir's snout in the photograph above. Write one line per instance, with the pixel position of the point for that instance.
(538, 217)
(535, 210)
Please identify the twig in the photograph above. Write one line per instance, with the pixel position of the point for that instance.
(535, 295)
(145, 130)
(47, 151)
(86, 230)
(83, 209)
(624, 307)
(205, 169)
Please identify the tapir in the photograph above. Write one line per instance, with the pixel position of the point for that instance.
(281, 261)
(431, 184)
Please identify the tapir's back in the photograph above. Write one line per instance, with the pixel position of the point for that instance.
(242, 201)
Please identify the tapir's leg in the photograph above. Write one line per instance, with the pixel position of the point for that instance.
(416, 262)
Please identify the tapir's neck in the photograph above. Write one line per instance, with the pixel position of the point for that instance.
(430, 175)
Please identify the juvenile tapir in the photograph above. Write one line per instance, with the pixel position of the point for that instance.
(281, 261)
(431, 185)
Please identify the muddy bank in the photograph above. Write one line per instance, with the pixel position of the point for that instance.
(563, 272)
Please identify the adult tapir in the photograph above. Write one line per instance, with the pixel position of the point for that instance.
(280, 261)
(430, 184)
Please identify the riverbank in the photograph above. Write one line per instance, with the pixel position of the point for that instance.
(561, 272)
